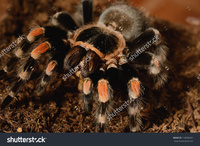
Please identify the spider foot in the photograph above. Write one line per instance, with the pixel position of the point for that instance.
(135, 129)
(100, 128)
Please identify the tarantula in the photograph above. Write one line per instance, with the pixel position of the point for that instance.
(120, 49)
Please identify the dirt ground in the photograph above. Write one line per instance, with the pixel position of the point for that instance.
(60, 109)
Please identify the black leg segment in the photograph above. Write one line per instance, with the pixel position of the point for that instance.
(63, 19)
(87, 11)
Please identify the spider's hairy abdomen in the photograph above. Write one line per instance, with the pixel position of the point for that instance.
(127, 20)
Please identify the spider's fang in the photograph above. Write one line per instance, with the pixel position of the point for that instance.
(34, 34)
(40, 49)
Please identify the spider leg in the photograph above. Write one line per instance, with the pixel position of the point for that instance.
(22, 49)
(25, 72)
(106, 84)
(47, 76)
(150, 40)
(15, 88)
(87, 94)
(135, 97)
(64, 20)
(135, 106)
(23, 75)
(148, 35)
(55, 64)
(87, 11)
(27, 67)
(149, 52)
(51, 32)
(104, 96)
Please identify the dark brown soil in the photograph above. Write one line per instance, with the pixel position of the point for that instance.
(60, 109)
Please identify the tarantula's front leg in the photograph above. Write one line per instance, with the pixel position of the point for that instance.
(135, 99)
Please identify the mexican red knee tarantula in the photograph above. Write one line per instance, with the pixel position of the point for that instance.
(118, 50)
